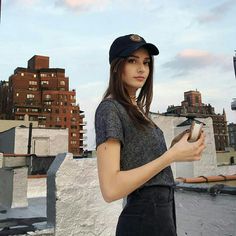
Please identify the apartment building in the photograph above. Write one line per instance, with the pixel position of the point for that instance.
(192, 106)
(43, 94)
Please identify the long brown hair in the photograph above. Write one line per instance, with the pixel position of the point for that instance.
(116, 89)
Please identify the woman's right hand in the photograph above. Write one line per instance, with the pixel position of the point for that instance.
(186, 151)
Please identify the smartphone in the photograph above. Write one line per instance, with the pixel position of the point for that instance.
(195, 131)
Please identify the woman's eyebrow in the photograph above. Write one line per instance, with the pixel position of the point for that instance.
(146, 58)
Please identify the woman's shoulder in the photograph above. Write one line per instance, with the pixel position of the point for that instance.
(108, 104)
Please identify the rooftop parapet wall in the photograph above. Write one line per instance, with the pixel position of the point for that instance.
(75, 205)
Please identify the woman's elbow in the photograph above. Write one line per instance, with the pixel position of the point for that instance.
(108, 196)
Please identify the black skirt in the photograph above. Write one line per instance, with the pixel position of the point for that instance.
(150, 211)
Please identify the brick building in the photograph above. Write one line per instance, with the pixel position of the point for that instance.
(232, 135)
(233, 103)
(3, 99)
(193, 106)
(43, 93)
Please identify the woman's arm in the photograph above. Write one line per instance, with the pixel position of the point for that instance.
(116, 184)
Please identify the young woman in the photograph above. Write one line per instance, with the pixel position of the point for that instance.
(132, 157)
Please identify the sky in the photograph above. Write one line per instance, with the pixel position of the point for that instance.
(196, 40)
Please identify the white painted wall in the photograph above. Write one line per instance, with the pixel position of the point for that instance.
(44, 141)
(208, 163)
(13, 187)
(75, 204)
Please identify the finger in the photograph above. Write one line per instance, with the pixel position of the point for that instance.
(203, 134)
(182, 134)
(201, 139)
(186, 136)
(197, 158)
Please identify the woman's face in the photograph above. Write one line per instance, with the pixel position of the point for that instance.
(136, 70)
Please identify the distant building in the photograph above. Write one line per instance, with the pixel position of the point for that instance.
(44, 142)
(3, 99)
(233, 103)
(232, 135)
(193, 106)
(43, 93)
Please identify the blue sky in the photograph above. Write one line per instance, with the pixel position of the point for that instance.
(196, 39)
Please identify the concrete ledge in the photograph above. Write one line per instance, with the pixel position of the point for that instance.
(14, 183)
(75, 205)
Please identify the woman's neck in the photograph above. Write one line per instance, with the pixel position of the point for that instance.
(133, 99)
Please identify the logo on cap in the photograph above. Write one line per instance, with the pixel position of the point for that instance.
(136, 38)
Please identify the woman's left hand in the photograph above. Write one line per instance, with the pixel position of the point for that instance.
(178, 137)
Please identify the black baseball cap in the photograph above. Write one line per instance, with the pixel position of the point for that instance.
(125, 45)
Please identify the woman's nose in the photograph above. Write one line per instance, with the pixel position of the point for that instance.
(141, 67)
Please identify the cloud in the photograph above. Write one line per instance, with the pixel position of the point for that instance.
(216, 13)
(24, 3)
(83, 5)
(192, 59)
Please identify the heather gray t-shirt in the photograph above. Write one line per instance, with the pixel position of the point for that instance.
(138, 147)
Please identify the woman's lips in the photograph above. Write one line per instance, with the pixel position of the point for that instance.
(140, 78)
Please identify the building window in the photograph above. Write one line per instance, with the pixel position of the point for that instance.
(73, 134)
(30, 95)
(73, 142)
(48, 110)
(48, 96)
(196, 99)
(58, 119)
(62, 82)
(20, 117)
(35, 75)
(33, 89)
(32, 118)
(32, 82)
(22, 74)
(44, 82)
(48, 103)
(43, 75)
(17, 94)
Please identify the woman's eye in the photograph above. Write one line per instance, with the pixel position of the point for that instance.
(146, 63)
(131, 60)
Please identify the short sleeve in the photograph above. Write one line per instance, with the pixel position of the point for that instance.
(108, 123)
